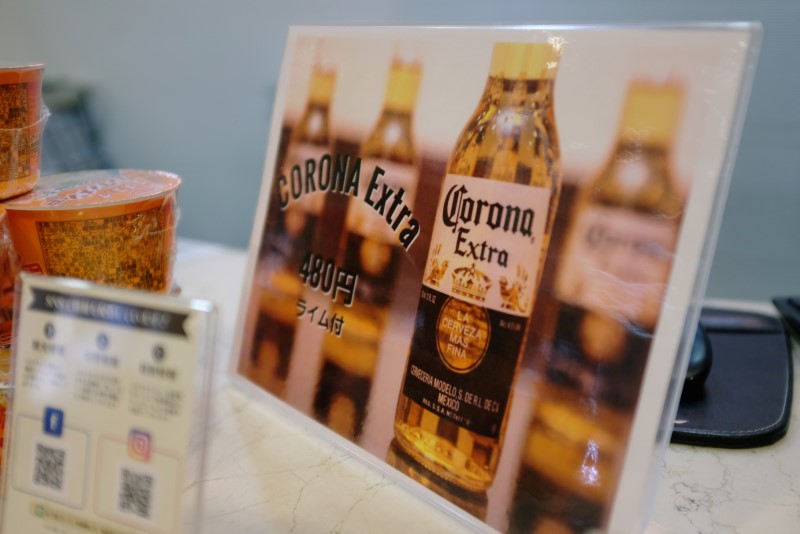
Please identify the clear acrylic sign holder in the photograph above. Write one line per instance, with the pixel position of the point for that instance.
(479, 254)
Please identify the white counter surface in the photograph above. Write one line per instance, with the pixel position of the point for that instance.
(267, 473)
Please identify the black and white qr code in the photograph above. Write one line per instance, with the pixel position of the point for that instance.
(136, 493)
(48, 468)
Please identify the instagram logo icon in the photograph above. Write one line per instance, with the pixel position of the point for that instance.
(139, 445)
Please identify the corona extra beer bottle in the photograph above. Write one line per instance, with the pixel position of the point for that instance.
(492, 226)
(288, 236)
(609, 288)
(371, 249)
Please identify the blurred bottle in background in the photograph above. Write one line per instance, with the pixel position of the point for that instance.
(370, 247)
(610, 281)
(288, 237)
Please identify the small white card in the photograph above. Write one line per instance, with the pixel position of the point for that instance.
(105, 385)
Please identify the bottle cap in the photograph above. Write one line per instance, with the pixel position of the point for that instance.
(652, 111)
(525, 61)
(403, 84)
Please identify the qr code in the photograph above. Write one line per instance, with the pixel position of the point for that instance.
(124, 251)
(49, 467)
(136, 493)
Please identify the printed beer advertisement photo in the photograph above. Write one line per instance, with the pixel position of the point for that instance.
(477, 250)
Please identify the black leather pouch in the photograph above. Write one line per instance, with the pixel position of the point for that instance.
(746, 399)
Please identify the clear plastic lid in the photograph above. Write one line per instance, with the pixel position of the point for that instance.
(96, 188)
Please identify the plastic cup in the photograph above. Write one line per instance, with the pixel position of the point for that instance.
(113, 227)
(22, 120)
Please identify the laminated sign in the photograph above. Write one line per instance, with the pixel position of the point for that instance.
(106, 382)
(476, 252)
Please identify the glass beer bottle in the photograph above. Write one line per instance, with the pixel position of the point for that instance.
(609, 289)
(371, 249)
(493, 222)
(288, 237)
(475, 503)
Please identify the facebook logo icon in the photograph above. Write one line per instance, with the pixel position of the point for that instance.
(53, 421)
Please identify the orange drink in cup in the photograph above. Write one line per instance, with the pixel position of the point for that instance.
(113, 227)
(22, 119)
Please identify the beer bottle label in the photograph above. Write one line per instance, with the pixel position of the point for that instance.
(617, 263)
(477, 296)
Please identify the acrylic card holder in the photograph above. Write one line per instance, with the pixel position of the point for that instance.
(478, 254)
(107, 423)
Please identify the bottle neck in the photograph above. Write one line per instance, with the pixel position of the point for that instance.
(638, 175)
(512, 137)
(512, 134)
(402, 87)
(313, 127)
(391, 138)
(535, 95)
(320, 89)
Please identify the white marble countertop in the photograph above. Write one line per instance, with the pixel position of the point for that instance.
(266, 472)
